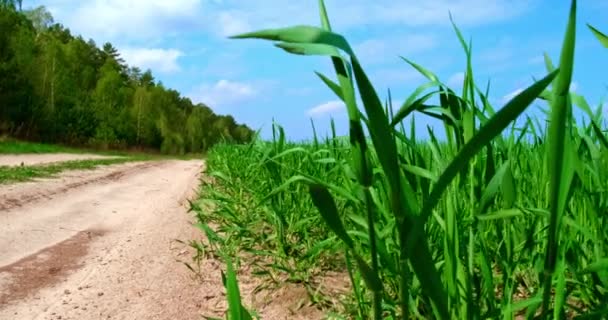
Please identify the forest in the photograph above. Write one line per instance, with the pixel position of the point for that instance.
(57, 87)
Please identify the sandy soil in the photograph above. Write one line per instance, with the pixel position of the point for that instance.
(102, 244)
(103, 248)
(34, 159)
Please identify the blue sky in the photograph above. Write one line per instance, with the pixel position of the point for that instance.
(185, 44)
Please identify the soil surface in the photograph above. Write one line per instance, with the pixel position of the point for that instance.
(36, 159)
(111, 243)
(100, 244)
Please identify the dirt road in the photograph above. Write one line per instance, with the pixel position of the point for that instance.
(101, 245)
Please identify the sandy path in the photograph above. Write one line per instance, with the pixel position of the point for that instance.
(101, 245)
(34, 159)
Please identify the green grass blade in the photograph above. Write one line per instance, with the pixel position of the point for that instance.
(599, 35)
(300, 34)
(557, 152)
(233, 293)
(600, 134)
(384, 143)
(408, 108)
(599, 265)
(502, 214)
(335, 88)
(560, 292)
(369, 276)
(428, 74)
(491, 129)
(309, 49)
(492, 188)
(521, 305)
(508, 188)
(324, 17)
(324, 202)
(548, 63)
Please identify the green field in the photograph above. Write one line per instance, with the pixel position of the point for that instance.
(11, 174)
(12, 146)
(493, 220)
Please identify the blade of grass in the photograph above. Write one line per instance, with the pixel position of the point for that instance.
(557, 136)
(603, 39)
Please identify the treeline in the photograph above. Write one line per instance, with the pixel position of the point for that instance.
(56, 87)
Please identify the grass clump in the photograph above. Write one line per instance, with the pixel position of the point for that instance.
(11, 146)
(11, 174)
(492, 221)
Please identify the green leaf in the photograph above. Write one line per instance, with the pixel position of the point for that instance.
(560, 292)
(382, 139)
(581, 102)
(486, 271)
(324, 17)
(459, 35)
(287, 152)
(335, 88)
(501, 214)
(523, 304)
(309, 180)
(599, 265)
(324, 202)
(599, 35)
(408, 107)
(211, 235)
(428, 74)
(492, 188)
(371, 279)
(421, 172)
(309, 49)
(548, 63)
(557, 152)
(600, 134)
(508, 188)
(235, 309)
(300, 34)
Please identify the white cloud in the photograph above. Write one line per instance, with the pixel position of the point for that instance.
(573, 86)
(456, 79)
(395, 77)
(152, 20)
(224, 65)
(158, 60)
(107, 20)
(382, 49)
(333, 106)
(498, 52)
(435, 12)
(506, 98)
(347, 14)
(232, 22)
(224, 93)
(499, 56)
(539, 59)
(301, 91)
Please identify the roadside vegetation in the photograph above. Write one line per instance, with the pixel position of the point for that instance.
(20, 173)
(56, 87)
(12, 146)
(493, 220)
(11, 174)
